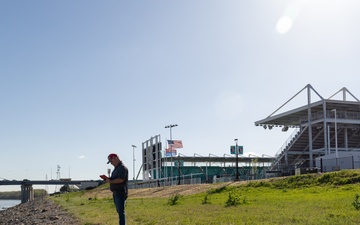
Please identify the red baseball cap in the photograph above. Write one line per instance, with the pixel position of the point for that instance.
(111, 156)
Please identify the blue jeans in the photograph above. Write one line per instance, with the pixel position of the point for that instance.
(120, 201)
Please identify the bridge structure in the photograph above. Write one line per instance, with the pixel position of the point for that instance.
(27, 191)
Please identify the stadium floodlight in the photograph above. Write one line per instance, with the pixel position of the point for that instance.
(171, 126)
(237, 160)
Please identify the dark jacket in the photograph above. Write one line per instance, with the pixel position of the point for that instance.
(120, 171)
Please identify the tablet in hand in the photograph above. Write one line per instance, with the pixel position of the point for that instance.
(104, 177)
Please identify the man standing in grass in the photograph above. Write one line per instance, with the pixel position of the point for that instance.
(118, 185)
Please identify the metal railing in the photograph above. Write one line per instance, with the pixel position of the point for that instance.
(295, 134)
(170, 181)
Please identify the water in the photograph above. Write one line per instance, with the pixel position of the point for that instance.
(4, 204)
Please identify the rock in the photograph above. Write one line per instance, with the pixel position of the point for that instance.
(39, 211)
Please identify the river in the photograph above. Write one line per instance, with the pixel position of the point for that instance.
(6, 203)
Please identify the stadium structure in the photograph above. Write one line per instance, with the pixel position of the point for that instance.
(159, 169)
(325, 137)
(326, 134)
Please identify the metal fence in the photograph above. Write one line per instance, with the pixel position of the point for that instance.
(185, 179)
(340, 163)
(170, 181)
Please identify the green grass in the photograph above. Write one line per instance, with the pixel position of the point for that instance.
(305, 199)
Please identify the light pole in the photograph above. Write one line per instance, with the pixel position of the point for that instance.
(237, 160)
(179, 171)
(170, 127)
(336, 139)
(206, 172)
(133, 161)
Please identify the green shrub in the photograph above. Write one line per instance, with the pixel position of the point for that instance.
(217, 190)
(258, 184)
(234, 199)
(356, 202)
(174, 199)
(325, 179)
(206, 199)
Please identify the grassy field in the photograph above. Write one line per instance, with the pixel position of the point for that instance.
(305, 199)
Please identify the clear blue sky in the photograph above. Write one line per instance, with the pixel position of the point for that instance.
(81, 79)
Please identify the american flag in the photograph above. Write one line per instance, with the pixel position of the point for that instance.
(175, 143)
(168, 152)
(173, 150)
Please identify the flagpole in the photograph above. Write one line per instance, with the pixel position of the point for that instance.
(171, 169)
(171, 159)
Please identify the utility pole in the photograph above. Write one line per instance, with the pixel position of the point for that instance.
(58, 173)
(133, 146)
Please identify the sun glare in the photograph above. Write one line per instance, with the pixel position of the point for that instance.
(292, 11)
(284, 24)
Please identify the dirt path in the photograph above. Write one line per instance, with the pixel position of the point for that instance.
(163, 192)
(170, 190)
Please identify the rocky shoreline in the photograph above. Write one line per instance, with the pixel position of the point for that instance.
(40, 211)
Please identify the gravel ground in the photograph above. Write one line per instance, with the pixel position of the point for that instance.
(39, 211)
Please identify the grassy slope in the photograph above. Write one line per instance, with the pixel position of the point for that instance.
(305, 199)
